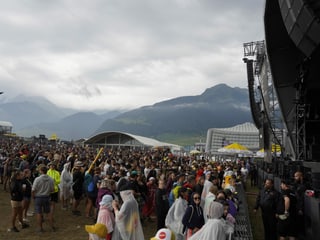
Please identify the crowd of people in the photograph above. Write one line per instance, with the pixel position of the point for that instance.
(189, 196)
(282, 211)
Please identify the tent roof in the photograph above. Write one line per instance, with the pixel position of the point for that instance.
(126, 139)
(241, 128)
(6, 124)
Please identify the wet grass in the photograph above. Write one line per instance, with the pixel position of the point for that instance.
(255, 218)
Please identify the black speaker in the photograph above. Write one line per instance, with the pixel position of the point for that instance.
(266, 136)
(302, 24)
(255, 110)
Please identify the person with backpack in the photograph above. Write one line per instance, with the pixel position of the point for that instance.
(193, 218)
(175, 189)
(92, 192)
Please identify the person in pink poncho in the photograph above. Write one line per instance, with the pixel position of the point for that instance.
(105, 215)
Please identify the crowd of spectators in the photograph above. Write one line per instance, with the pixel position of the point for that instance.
(183, 193)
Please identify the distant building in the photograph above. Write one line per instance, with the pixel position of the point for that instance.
(5, 127)
(124, 140)
(245, 134)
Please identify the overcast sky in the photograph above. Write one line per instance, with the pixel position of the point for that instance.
(111, 54)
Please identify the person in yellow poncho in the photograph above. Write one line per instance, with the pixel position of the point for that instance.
(55, 175)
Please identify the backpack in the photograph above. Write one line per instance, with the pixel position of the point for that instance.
(187, 221)
(88, 182)
(90, 187)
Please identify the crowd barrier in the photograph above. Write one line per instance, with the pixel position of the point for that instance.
(242, 229)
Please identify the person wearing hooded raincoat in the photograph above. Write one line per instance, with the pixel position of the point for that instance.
(127, 217)
(105, 215)
(66, 185)
(216, 227)
(176, 212)
(206, 187)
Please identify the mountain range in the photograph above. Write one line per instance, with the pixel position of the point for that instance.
(218, 106)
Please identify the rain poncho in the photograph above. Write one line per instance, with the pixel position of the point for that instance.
(175, 215)
(216, 228)
(128, 225)
(65, 182)
(206, 189)
(105, 215)
(209, 198)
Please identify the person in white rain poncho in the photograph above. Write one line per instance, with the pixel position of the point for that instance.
(65, 185)
(127, 218)
(206, 187)
(176, 213)
(216, 227)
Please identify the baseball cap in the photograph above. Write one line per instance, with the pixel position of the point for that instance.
(164, 234)
(98, 228)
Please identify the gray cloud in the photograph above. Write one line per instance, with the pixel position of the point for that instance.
(124, 53)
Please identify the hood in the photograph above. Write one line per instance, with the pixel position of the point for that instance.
(126, 195)
(45, 177)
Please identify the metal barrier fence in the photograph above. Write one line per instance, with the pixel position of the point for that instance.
(242, 229)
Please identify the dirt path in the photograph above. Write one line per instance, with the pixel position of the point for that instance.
(69, 227)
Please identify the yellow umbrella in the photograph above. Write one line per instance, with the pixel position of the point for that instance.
(275, 148)
(234, 148)
(194, 152)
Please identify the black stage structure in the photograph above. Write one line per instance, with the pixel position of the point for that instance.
(290, 58)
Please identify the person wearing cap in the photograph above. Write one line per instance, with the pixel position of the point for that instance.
(97, 231)
(137, 184)
(105, 215)
(55, 175)
(77, 186)
(287, 214)
(127, 217)
(164, 234)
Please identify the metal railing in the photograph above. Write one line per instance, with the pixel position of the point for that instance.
(242, 228)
